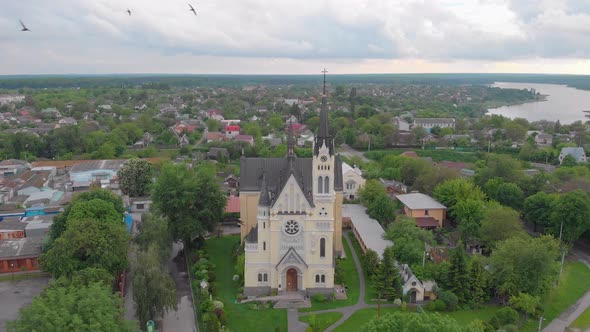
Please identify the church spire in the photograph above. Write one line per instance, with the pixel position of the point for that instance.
(290, 141)
(323, 137)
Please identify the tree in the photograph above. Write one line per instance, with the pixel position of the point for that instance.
(573, 210)
(499, 166)
(477, 281)
(399, 321)
(75, 308)
(524, 265)
(154, 230)
(59, 222)
(537, 208)
(382, 209)
(409, 240)
(190, 199)
(525, 303)
(508, 194)
(451, 192)
(87, 243)
(135, 177)
(371, 260)
(370, 191)
(96, 209)
(569, 161)
(154, 290)
(500, 223)
(458, 276)
(468, 213)
(386, 278)
(85, 277)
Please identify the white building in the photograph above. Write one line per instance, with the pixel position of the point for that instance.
(352, 178)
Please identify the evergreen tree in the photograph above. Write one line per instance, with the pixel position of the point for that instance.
(477, 281)
(386, 277)
(458, 275)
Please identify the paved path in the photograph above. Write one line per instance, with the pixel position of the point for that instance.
(567, 317)
(129, 302)
(346, 311)
(348, 151)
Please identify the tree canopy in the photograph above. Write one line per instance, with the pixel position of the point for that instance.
(191, 199)
(573, 209)
(76, 308)
(135, 177)
(500, 223)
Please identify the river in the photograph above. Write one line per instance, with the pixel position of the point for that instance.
(562, 103)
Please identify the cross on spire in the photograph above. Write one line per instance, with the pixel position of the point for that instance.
(324, 71)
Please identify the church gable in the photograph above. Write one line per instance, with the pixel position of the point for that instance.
(292, 199)
(291, 257)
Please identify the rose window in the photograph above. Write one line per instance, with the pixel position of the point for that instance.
(291, 227)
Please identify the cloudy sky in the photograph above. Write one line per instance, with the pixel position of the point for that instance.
(295, 36)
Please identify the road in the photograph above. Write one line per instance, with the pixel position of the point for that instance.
(183, 319)
(349, 152)
(17, 294)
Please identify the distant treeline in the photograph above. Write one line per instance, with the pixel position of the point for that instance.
(166, 81)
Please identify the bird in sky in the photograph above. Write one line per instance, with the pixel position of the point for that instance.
(24, 26)
(128, 11)
(192, 9)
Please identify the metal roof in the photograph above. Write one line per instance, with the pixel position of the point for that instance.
(418, 201)
(368, 228)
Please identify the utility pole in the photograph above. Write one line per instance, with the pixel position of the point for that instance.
(541, 319)
(562, 259)
(560, 231)
(424, 259)
(378, 305)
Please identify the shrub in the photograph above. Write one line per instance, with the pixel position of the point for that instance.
(240, 297)
(503, 317)
(509, 328)
(371, 260)
(432, 306)
(440, 305)
(397, 302)
(338, 277)
(206, 306)
(319, 298)
(218, 304)
(404, 306)
(236, 277)
(220, 313)
(449, 298)
(211, 275)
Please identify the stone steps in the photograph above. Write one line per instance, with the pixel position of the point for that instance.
(292, 304)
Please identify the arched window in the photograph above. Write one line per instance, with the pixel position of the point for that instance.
(323, 247)
(320, 183)
(259, 277)
(317, 278)
(264, 245)
(327, 185)
(265, 277)
(323, 278)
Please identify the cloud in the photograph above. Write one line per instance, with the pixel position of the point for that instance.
(441, 31)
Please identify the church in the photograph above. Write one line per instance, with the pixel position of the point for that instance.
(291, 212)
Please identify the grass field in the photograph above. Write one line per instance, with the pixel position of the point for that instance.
(574, 282)
(351, 279)
(240, 317)
(323, 321)
(583, 321)
(463, 317)
(370, 292)
(436, 155)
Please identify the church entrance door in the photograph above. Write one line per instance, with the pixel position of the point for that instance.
(291, 280)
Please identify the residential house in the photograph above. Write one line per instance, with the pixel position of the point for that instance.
(230, 122)
(218, 153)
(215, 136)
(232, 181)
(232, 131)
(214, 114)
(140, 204)
(394, 187)
(429, 123)
(544, 139)
(95, 171)
(13, 166)
(401, 124)
(291, 120)
(233, 204)
(244, 138)
(67, 121)
(353, 180)
(291, 102)
(426, 210)
(578, 154)
(12, 228)
(105, 107)
(50, 112)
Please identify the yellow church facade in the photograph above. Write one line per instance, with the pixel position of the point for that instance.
(291, 212)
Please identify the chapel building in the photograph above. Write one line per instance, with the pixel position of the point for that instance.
(291, 212)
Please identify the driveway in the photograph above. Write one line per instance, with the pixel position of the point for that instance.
(17, 294)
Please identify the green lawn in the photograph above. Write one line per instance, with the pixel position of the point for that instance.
(574, 282)
(351, 279)
(240, 317)
(323, 321)
(354, 323)
(370, 292)
(463, 317)
(582, 322)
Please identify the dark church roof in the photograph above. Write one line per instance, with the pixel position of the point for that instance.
(278, 170)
